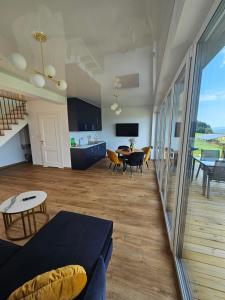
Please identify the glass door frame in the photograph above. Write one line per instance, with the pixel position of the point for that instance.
(184, 65)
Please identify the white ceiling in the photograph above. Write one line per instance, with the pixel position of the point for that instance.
(80, 31)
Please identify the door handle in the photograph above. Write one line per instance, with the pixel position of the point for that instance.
(42, 142)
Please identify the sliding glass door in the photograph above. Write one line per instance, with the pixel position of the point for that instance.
(174, 149)
(203, 242)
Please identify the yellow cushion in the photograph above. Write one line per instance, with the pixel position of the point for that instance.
(64, 283)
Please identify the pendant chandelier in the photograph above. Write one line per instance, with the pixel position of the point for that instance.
(47, 72)
(115, 106)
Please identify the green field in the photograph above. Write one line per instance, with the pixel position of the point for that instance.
(201, 144)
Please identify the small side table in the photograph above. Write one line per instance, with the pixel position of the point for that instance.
(15, 209)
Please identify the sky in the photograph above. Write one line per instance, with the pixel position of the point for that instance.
(212, 94)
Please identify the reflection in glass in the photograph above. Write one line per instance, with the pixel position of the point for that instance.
(166, 145)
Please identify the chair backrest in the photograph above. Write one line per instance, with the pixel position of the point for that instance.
(211, 155)
(219, 171)
(136, 158)
(113, 156)
(147, 151)
(124, 147)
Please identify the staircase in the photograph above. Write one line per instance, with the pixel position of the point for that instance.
(13, 117)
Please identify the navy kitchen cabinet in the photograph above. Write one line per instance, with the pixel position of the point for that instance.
(83, 116)
(83, 158)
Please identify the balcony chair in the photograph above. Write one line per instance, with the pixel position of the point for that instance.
(147, 152)
(135, 159)
(114, 159)
(216, 174)
(209, 155)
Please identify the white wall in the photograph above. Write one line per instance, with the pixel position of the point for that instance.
(141, 115)
(36, 107)
(136, 61)
(78, 135)
(11, 152)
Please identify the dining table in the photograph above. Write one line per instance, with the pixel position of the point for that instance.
(207, 167)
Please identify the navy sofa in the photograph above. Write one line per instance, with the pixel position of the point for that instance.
(69, 238)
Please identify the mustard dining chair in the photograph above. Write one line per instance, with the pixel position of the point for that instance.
(114, 159)
(147, 152)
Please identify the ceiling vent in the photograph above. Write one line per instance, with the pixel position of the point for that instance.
(129, 81)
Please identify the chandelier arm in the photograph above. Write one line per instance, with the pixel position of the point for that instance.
(42, 58)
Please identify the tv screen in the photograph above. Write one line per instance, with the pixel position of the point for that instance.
(127, 129)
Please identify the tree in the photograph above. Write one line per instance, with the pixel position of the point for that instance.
(202, 127)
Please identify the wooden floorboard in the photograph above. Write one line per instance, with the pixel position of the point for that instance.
(204, 241)
(142, 266)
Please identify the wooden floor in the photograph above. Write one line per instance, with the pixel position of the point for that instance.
(141, 267)
(204, 244)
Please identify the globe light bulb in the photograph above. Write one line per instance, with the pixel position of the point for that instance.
(50, 71)
(62, 85)
(37, 80)
(114, 106)
(18, 61)
(118, 111)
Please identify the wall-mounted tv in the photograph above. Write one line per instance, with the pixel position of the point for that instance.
(127, 129)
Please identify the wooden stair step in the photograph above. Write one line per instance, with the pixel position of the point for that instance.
(8, 122)
(5, 127)
(12, 116)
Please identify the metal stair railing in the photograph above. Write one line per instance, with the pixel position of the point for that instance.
(10, 111)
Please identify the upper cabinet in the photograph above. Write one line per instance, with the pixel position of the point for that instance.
(83, 116)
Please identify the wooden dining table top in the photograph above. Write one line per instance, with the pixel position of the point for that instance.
(128, 151)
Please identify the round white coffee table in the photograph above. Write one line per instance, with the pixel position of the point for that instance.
(26, 209)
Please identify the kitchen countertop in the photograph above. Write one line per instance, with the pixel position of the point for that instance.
(85, 146)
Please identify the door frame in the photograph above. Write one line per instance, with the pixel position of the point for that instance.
(59, 141)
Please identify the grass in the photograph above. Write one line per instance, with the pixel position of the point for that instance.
(202, 144)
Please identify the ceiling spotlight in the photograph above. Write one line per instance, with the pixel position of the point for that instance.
(18, 61)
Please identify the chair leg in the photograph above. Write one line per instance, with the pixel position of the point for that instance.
(110, 165)
(141, 169)
(198, 170)
(131, 171)
(147, 164)
(114, 168)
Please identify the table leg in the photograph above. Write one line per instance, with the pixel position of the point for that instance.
(5, 221)
(193, 169)
(204, 181)
(29, 223)
(34, 220)
(124, 165)
(24, 225)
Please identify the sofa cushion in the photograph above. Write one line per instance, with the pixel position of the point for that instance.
(7, 250)
(97, 286)
(63, 283)
(69, 238)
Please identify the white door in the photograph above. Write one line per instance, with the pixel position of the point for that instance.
(50, 140)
